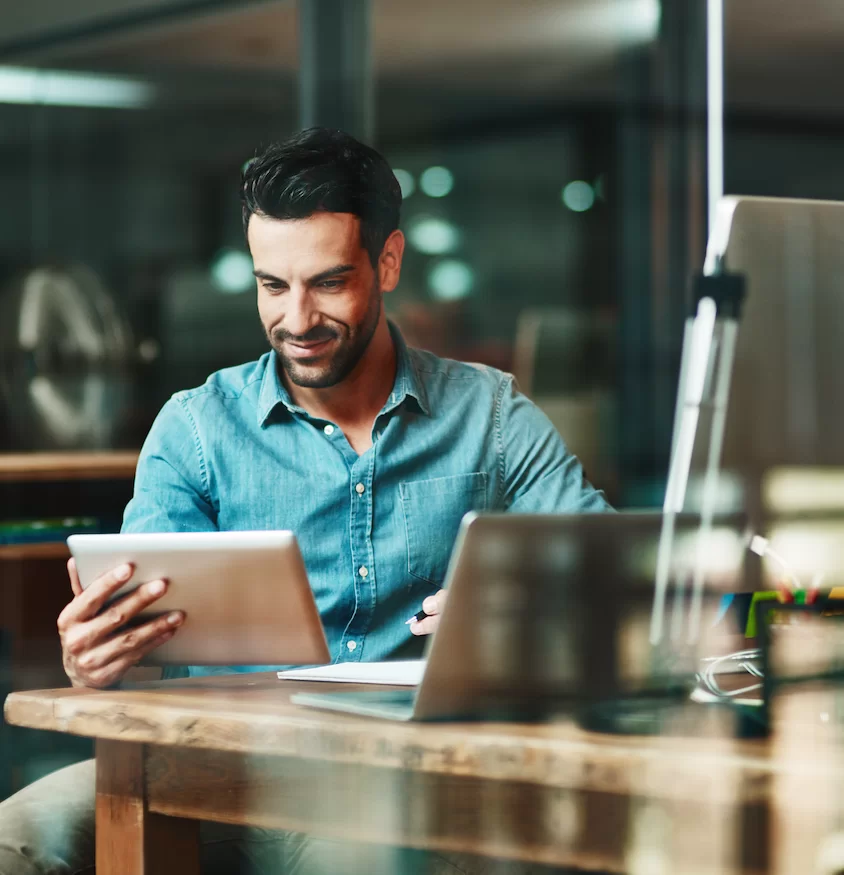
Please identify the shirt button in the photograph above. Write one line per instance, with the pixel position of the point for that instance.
(360, 489)
(351, 644)
(329, 430)
(363, 571)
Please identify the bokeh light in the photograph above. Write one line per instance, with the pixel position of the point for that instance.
(436, 181)
(451, 280)
(406, 182)
(433, 236)
(231, 272)
(579, 196)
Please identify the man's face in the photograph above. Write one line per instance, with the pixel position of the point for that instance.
(319, 297)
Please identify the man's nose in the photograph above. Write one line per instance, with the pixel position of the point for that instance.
(300, 316)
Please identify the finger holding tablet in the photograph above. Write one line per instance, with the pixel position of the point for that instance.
(96, 650)
(244, 595)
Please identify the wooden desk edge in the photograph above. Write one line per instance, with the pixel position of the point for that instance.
(573, 759)
(35, 550)
(68, 466)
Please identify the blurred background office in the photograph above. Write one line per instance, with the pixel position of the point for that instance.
(552, 156)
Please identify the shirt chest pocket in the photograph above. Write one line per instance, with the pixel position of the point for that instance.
(432, 513)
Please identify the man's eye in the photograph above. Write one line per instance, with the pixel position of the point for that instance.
(274, 287)
(331, 284)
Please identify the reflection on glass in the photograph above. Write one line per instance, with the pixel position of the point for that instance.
(810, 548)
(804, 489)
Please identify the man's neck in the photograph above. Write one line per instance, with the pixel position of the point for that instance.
(354, 403)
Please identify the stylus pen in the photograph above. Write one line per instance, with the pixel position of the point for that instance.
(419, 615)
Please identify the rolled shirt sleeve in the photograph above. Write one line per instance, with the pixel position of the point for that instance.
(171, 488)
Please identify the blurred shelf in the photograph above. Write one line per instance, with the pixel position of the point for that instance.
(68, 466)
(44, 550)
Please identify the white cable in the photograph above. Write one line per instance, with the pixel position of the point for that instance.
(707, 677)
(762, 548)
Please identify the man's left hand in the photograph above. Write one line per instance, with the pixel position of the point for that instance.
(433, 606)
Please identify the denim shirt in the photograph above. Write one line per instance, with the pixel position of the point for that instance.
(375, 530)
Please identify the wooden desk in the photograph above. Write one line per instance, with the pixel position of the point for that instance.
(37, 550)
(236, 750)
(68, 466)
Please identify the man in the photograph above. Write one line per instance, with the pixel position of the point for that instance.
(369, 451)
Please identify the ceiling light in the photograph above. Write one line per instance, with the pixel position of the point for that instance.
(62, 88)
(406, 182)
(600, 23)
(579, 196)
(647, 15)
(436, 181)
(231, 272)
(451, 280)
(433, 236)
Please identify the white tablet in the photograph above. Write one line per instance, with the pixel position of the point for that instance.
(246, 596)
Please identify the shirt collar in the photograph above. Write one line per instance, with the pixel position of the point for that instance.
(407, 384)
(274, 392)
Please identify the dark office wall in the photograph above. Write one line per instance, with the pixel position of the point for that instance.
(40, 25)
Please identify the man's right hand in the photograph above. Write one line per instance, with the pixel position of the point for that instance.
(96, 651)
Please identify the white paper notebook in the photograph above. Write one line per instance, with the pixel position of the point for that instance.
(403, 673)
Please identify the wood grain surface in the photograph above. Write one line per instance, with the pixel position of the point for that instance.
(68, 466)
(235, 749)
(591, 830)
(252, 714)
(44, 550)
(359, 803)
(130, 840)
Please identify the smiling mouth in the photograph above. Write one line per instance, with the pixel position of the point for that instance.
(307, 350)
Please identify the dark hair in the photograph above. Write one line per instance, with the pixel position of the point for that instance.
(323, 170)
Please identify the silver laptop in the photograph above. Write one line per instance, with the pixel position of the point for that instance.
(549, 612)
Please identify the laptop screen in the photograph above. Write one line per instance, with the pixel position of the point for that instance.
(557, 608)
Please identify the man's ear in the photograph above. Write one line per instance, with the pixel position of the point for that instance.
(389, 262)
